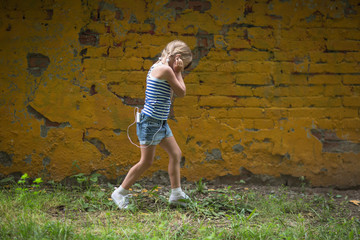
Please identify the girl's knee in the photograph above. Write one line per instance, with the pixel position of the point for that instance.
(145, 163)
(176, 155)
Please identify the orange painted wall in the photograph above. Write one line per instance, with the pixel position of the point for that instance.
(274, 87)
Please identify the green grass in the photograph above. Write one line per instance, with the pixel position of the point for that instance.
(53, 211)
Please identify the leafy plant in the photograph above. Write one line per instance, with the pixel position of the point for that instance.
(22, 188)
(87, 181)
(23, 179)
(200, 186)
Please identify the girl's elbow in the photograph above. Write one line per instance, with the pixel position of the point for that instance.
(180, 94)
(183, 93)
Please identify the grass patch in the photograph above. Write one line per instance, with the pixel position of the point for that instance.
(34, 210)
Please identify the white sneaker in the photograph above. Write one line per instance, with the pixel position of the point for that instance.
(122, 201)
(181, 199)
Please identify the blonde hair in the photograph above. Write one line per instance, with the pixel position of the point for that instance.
(177, 47)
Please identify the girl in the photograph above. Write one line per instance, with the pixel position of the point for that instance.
(164, 78)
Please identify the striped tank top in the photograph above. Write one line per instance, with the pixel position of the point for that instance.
(157, 97)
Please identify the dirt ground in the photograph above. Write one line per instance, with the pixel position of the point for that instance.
(349, 198)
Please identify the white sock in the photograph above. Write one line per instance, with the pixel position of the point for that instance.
(122, 191)
(176, 191)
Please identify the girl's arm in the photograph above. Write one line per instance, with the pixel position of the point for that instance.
(173, 76)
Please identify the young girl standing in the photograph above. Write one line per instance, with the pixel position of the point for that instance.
(164, 78)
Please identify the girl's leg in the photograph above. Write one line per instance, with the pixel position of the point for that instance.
(172, 148)
(146, 160)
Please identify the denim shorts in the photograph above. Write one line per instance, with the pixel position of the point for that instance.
(151, 131)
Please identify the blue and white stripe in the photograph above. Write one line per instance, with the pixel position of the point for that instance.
(157, 97)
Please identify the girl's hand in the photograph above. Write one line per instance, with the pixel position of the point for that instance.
(178, 65)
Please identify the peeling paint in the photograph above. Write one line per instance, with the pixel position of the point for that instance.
(333, 144)
(273, 88)
(214, 155)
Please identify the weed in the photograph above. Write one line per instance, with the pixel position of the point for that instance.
(86, 181)
(22, 187)
(200, 186)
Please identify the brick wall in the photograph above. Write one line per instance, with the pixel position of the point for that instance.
(272, 95)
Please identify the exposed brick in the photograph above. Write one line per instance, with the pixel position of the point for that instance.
(341, 147)
(332, 143)
(133, 101)
(88, 37)
(50, 13)
(178, 5)
(200, 6)
(37, 63)
(204, 42)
